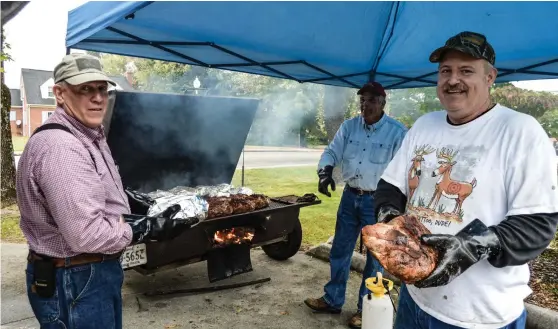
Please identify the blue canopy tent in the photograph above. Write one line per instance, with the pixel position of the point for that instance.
(335, 43)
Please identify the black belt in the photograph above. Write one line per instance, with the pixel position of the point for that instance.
(360, 192)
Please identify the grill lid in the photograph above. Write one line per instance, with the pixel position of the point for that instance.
(160, 141)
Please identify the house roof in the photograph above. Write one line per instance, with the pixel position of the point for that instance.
(122, 82)
(34, 79)
(15, 96)
(32, 82)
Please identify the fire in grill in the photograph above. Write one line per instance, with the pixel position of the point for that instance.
(232, 236)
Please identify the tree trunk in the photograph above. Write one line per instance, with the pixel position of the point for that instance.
(7, 165)
(336, 100)
(7, 176)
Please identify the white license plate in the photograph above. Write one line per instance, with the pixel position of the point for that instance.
(134, 255)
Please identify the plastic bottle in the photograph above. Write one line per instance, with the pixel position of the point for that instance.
(377, 309)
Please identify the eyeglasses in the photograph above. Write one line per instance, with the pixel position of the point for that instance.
(90, 91)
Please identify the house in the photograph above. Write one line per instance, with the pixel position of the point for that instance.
(34, 102)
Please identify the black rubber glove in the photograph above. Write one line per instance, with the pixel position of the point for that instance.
(326, 179)
(457, 253)
(387, 213)
(160, 228)
(139, 202)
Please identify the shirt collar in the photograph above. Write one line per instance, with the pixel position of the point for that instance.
(91, 133)
(376, 125)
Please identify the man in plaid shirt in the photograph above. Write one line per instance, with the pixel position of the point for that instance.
(74, 209)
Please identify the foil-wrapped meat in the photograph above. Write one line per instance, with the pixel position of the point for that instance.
(191, 206)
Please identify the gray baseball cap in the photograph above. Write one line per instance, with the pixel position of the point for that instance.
(76, 69)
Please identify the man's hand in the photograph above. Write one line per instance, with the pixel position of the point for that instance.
(160, 228)
(457, 253)
(139, 202)
(387, 213)
(326, 178)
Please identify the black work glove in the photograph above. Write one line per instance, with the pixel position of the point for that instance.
(139, 202)
(387, 213)
(457, 253)
(326, 179)
(160, 228)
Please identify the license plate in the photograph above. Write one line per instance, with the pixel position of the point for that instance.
(134, 255)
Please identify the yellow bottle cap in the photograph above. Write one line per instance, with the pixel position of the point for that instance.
(376, 285)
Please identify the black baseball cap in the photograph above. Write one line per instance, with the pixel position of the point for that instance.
(471, 43)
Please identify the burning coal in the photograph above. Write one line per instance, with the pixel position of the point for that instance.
(236, 235)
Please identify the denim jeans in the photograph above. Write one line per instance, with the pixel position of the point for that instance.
(355, 212)
(410, 316)
(86, 296)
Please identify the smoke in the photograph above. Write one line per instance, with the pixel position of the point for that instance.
(294, 114)
(164, 140)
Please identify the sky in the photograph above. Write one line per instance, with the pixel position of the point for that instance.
(42, 46)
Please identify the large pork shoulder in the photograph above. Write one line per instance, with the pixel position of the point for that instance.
(397, 247)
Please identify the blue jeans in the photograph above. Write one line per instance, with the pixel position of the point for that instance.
(86, 296)
(410, 316)
(355, 212)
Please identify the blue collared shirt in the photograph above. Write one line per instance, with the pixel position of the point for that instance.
(364, 151)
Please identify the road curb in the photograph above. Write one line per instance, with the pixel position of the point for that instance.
(537, 317)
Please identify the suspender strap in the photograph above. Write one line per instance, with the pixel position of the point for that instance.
(48, 126)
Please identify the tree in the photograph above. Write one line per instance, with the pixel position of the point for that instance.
(7, 176)
(526, 101)
(407, 105)
(549, 121)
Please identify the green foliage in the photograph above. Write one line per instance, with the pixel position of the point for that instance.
(530, 102)
(549, 121)
(407, 105)
(4, 55)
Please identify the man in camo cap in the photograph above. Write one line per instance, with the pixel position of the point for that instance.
(487, 191)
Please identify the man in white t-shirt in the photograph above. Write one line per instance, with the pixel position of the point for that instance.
(482, 178)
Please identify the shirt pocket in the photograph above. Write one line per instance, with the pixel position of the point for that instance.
(351, 149)
(381, 153)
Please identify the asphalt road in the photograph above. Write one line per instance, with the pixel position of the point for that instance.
(277, 304)
(276, 159)
(273, 158)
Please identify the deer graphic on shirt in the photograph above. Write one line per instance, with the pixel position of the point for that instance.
(413, 177)
(446, 186)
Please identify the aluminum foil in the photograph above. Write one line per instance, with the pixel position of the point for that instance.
(191, 200)
(222, 190)
(190, 206)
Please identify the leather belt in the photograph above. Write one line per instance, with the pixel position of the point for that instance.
(75, 260)
(360, 192)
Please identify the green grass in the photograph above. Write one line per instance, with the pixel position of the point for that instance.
(10, 226)
(19, 143)
(318, 221)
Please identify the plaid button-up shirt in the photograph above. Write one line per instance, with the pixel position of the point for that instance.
(69, 192)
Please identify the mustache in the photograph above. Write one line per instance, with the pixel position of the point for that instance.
(456, 88)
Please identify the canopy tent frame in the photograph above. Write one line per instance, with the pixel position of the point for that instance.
(267, 65)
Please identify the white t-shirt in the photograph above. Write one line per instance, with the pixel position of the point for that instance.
(497, 165)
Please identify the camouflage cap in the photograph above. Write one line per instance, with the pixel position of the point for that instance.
(471, 43)
(76, 69)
